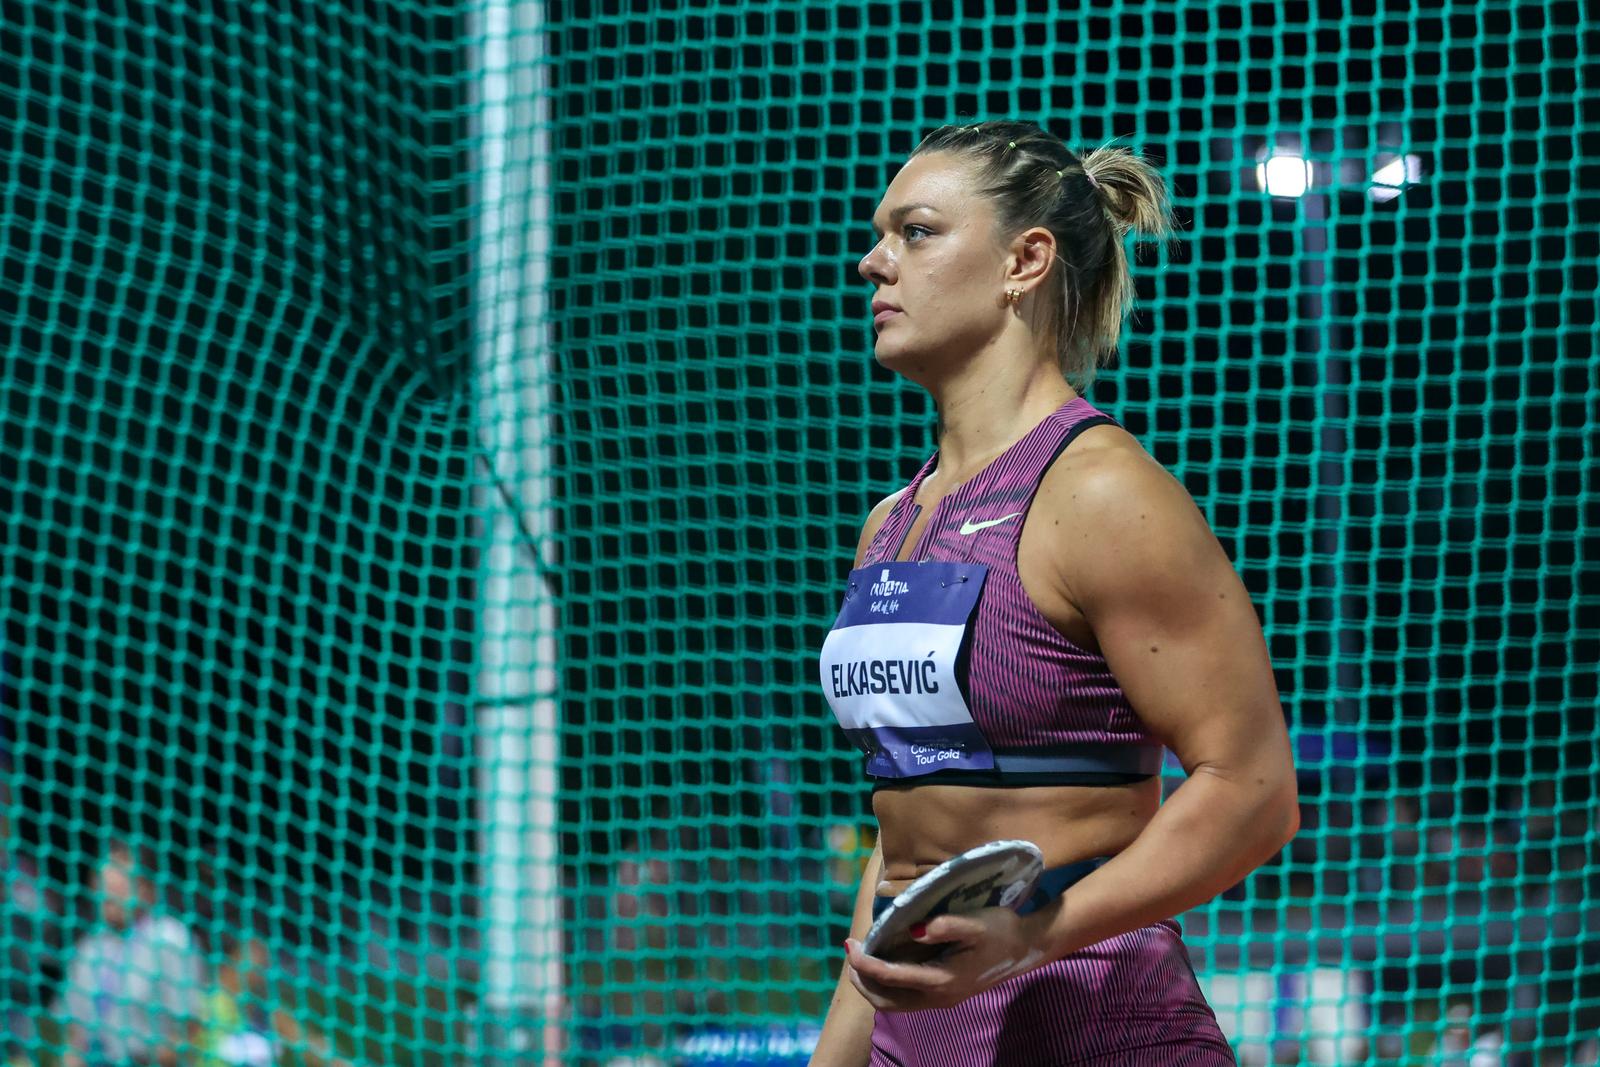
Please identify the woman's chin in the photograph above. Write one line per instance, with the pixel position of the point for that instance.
(890, 350)
(910, 365)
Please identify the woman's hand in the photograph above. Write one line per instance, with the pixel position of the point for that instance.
(983, 949)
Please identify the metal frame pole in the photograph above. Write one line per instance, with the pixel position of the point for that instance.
(517, 708)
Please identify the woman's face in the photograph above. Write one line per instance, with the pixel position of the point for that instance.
(938, 261)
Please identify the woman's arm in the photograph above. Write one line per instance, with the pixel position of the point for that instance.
(1137, 560)
(846, 1039)
(1177, 628)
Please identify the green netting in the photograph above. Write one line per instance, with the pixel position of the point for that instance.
(432, 437)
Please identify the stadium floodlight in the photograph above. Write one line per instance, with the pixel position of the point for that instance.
(1284, 174)
(1394, 177)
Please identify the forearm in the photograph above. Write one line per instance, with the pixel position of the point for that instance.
(1212, 832)
(846, 1039)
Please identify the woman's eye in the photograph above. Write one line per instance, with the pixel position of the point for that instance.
(913, 232)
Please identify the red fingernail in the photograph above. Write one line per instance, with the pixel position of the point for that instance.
(919, 931)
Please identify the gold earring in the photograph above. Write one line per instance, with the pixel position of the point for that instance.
(1013, 295)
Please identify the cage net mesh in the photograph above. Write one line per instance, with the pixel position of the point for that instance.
(433, 437)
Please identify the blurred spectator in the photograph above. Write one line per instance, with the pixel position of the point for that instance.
(1461, 1046)
(850, 847)
(30, 929)
(1316, 1016)
(240, 1027)
(133, 986)
(1394, 846)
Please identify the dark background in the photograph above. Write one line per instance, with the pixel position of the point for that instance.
(1447, 376)
(239, 463)
(238, 561)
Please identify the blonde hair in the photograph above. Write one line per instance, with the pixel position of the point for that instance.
(1091, 205)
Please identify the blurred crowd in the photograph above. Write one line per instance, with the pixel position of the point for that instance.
(1404, 928)
(136, 986)
(1448, 927)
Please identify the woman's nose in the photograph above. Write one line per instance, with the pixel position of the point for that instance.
(876, 266)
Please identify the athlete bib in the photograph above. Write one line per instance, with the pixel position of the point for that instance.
(893, 668)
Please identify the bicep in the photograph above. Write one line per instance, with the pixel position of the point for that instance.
(1175, 623)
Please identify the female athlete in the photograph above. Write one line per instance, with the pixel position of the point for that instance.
(1031, 621)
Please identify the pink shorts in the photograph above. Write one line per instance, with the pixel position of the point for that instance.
(1130, 1001)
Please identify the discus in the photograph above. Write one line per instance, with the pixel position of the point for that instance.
(1000, 874)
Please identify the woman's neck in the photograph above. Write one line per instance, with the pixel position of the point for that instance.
(991, 405)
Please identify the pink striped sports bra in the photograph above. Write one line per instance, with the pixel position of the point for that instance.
(942, 669)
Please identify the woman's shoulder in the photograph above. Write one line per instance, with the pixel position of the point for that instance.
(1105, 487)
(1121, 540)
(1103, 456)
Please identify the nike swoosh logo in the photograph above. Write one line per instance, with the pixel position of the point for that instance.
(970, 527)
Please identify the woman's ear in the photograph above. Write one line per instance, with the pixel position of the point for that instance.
(1033, 251)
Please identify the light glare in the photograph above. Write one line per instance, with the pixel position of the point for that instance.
(1389, 180)
(1284, 175)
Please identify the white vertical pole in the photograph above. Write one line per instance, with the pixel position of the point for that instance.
(522, 1009)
